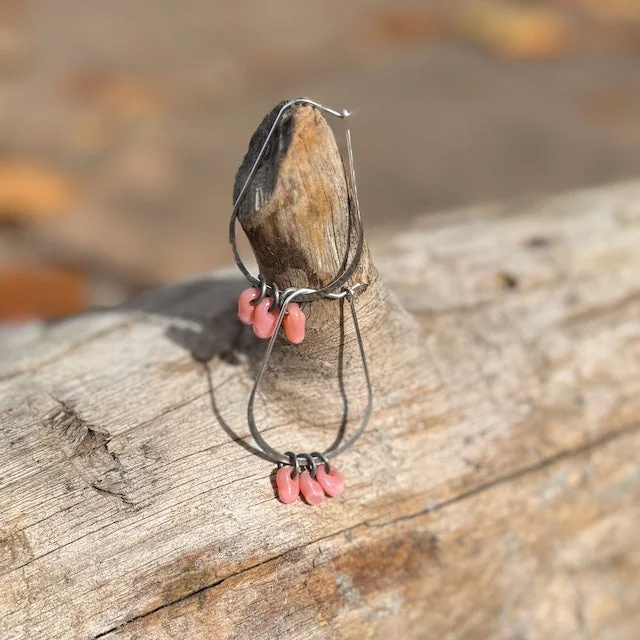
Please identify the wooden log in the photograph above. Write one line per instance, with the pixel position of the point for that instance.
(496, 493)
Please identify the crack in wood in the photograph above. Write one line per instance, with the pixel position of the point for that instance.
(114, 494)
(518, 473)
(85, 445)
(97, 335)
(541, 465)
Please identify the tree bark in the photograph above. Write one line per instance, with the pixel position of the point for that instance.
(495, 493)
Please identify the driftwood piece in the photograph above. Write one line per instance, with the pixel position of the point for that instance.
(496, 493)
(296, 216)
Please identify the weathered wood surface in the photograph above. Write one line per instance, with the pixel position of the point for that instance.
(496, 493)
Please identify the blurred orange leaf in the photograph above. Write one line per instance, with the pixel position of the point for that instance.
(119, 95)
(513, 30)
(31, 191)
(41, 291)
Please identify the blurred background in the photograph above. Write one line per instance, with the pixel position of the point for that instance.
(122, 122)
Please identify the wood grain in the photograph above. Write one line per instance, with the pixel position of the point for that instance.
(495, 494)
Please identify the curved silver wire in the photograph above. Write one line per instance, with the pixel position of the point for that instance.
(263, 291)
(323, 459)
(338, 447)
(348, 271)
(294, 462)
(333, 290)
(311, 464)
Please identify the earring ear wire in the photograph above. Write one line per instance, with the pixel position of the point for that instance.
(267, 323)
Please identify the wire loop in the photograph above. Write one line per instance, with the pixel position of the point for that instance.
(311, 464)
(327, 466)
(293, 461)
(335, 290)
(348, 271)
(276, 297)
(263, 291)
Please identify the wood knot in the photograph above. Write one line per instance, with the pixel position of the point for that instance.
(85, 445)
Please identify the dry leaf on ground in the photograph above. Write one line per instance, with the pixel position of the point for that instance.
(513, 30)
(41, 291)
(119, 95)
(30, 191)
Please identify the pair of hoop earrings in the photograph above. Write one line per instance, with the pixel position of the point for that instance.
(267, 307)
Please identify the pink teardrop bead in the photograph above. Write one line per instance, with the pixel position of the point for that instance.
(245, 308)
(294, 323)
(311, 490)
(288, 487)
(331, 482)
(264, 321)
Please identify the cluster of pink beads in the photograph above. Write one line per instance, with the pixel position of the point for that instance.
(264, 319)
(313, 490)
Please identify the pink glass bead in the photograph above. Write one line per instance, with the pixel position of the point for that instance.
(264, 321)
(294, 323)
(331, 482)
(288, 487)
(311, 490)
(245, 308)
